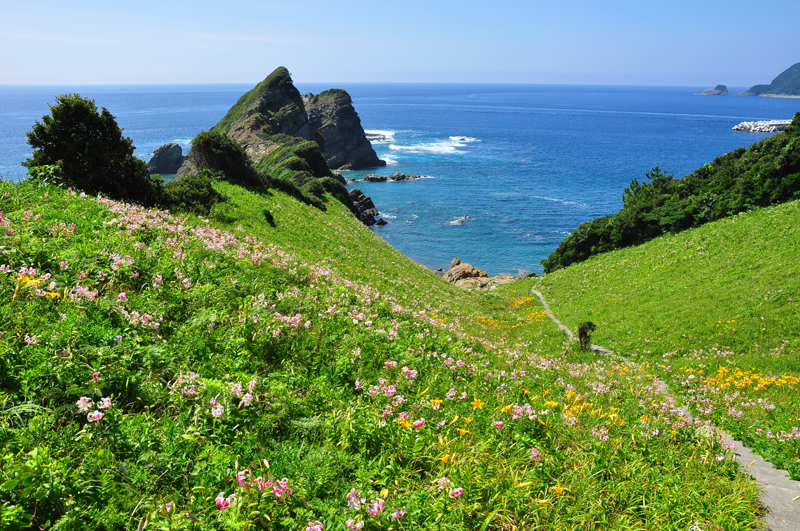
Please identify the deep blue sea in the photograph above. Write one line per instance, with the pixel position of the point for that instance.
(527, 163)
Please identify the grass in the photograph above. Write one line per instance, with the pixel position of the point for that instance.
(279, 367)
(714, 310)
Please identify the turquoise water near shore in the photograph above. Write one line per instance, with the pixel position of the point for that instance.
(527, 163)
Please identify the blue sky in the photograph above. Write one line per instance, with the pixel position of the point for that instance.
(691, 43)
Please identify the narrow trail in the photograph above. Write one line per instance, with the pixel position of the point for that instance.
(780, 494)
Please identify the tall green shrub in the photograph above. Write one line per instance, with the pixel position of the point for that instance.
(90, 151)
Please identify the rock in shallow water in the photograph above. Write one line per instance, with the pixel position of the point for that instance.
(166, 159)
(366, 208)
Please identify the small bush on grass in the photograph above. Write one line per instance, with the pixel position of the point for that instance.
(193, 193)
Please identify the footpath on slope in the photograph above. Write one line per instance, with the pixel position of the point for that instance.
(781, 494)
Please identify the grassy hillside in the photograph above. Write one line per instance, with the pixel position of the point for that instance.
(716, 309)
(279, 367)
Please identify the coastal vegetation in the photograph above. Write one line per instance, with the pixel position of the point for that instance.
(89, 152)
(228, 373)
(766, 173)
(256, 358)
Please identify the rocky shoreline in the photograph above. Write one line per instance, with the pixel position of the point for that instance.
(468, 277)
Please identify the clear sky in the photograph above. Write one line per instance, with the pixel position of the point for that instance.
(691, 43)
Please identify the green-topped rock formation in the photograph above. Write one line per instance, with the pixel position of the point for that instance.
(273, 107)
(786, 84)
(266, 140)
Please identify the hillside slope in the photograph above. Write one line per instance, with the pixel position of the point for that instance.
(277, 366)
(718, 301)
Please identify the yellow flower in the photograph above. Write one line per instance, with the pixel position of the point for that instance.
(462, 431)
(403, 422)
(29, 281)
(454, 420)
(506, 409)
(436, 401)
(53, 294)
(559, 489)
(444, 458)
(467, 420)
(477, 404)
(551, 403)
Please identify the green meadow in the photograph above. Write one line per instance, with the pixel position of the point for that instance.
(277, 366)
(714, 311)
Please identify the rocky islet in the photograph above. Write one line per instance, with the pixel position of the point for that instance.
(166, 159)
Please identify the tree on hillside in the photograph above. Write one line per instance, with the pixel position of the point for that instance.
(91, 152)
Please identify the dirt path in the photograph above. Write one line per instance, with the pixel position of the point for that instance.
(781, 495)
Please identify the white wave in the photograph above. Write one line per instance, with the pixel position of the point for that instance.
(457, 222)
(562, 201)
(463, 139)
(432, 147)
(387, 216)
(379, 137)
(390, 159)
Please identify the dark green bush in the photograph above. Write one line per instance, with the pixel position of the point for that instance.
(218, 152)
(192, 193)
(90, 151)
(585, 330)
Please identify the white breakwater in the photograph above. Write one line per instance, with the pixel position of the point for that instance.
(764, 126)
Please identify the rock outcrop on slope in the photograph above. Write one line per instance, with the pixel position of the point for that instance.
(333, 118)
(719, 90)
(166, 159)
(460, 270)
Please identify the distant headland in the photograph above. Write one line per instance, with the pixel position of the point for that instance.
(786, 85)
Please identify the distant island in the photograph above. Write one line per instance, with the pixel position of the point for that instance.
(786, 85)
(719, 90)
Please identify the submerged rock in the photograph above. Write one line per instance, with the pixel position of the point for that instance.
(397, 177)
(166, 159)
(372, 178)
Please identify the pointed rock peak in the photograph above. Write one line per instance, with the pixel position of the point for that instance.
(275, 95)
(280, 76)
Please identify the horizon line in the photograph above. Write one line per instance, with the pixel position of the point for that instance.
(514, 83)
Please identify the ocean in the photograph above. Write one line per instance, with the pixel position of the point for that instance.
(526, 163)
